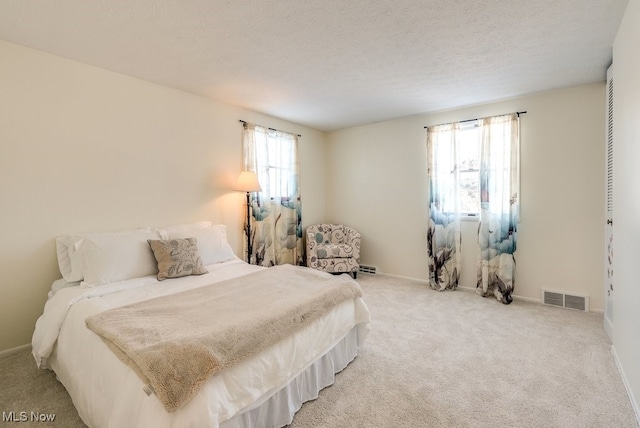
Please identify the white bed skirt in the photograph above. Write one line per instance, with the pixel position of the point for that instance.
(277, 409)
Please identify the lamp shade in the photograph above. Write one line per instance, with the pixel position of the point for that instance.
(248, 182)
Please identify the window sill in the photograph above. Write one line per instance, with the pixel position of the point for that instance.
(475, 218)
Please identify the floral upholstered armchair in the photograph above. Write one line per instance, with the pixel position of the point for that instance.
(333, 248)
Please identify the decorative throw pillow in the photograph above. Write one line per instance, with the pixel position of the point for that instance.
(177, 257)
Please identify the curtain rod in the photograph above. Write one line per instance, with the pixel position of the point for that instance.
(272, 129)
(478, 118)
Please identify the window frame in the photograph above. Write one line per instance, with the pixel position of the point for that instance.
(464, 128)
(268, 171)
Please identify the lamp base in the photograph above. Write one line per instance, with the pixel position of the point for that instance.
(248, 228)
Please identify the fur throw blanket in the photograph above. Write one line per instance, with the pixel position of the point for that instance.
(176, 342)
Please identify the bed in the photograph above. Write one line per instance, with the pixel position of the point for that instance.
(264, 389)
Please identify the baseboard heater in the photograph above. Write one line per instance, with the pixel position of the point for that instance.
(561, 299)
(371, 270)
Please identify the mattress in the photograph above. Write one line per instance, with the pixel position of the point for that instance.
(108, 393)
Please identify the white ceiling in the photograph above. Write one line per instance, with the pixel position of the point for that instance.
(331, 64)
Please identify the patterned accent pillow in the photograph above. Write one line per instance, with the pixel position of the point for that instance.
(177, 257)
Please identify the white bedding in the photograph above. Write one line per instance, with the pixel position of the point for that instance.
(107, 393)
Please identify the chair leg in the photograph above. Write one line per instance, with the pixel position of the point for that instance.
(355, 274)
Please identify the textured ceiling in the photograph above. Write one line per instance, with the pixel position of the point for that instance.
(331, 64)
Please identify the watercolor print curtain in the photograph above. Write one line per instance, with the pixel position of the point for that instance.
(499, 206)
(443, 235)
(276, 221)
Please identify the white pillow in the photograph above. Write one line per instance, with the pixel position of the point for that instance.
(116, 256)
(69, 258)
(212, 242)
(166, 232)
(59, 284)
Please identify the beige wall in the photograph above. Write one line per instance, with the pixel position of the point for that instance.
(626, 200)
(377, 184)
(83, 149)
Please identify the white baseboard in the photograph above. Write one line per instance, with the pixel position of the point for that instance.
(634, 403)
(467, 288)
(403, 277)
(12, 351)
(472, 289)
(608, 327)
(515, 296)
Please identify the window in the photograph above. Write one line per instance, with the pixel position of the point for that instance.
(275, 162)
(469, 169)
(469, 145)
(471, 165)
(277, 166)
(456, 159)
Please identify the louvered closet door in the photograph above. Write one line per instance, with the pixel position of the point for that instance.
(608, 274)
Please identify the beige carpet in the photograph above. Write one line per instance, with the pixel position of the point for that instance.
(450, 359)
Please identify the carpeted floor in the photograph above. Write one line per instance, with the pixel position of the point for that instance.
(450, 359)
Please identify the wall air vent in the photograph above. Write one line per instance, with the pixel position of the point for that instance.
(554, 299)
(371, 270)
(565, 300)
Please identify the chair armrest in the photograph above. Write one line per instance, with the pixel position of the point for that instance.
(311, 240)
(352, 237)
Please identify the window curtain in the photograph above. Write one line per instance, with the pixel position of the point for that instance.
(276, 220)
(499, 206)
(443, 235)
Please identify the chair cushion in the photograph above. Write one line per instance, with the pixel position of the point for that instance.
(327, 233)
(337, 234)
(330, 251)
